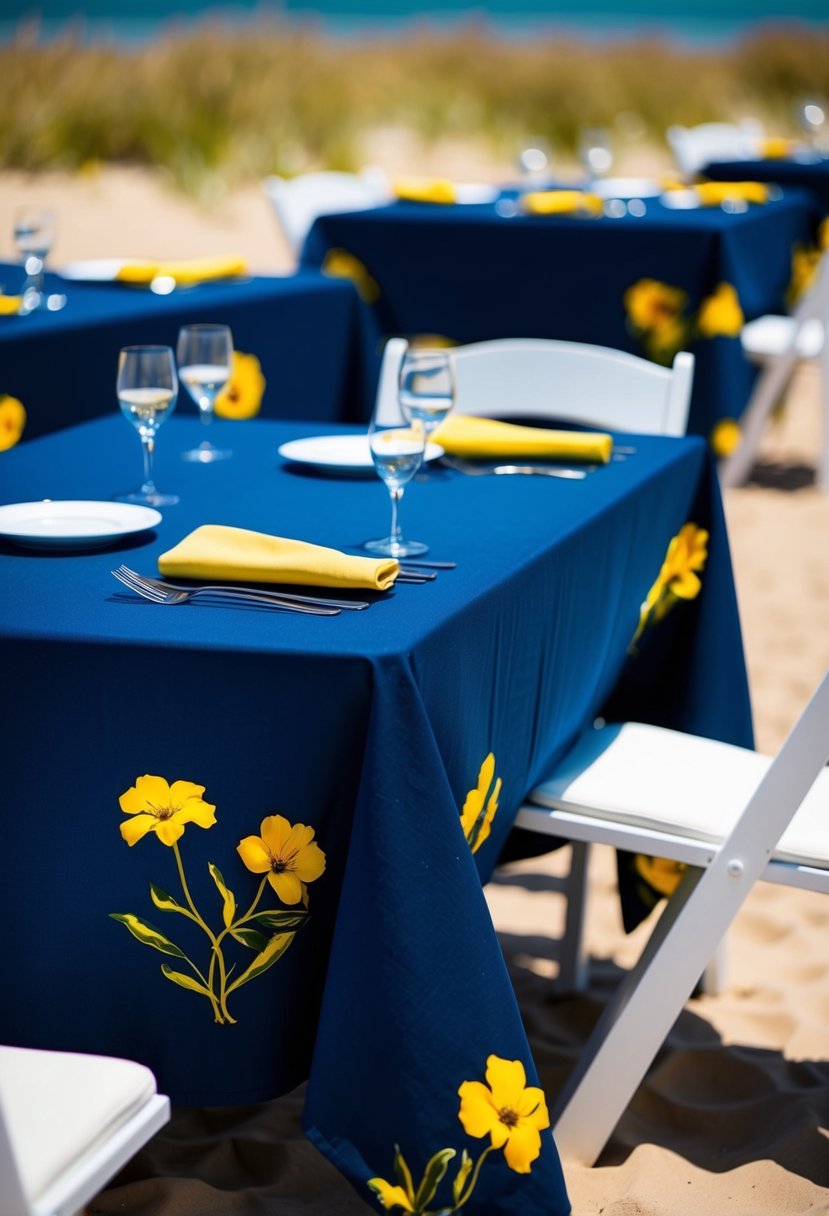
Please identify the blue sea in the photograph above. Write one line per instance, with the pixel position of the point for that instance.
(695, 23)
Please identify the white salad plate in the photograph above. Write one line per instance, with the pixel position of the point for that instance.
(341, 454)
(71, 524)
(474, 192)
(96, 270)
(626, 187)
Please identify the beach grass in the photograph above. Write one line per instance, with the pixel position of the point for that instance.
(219, 107)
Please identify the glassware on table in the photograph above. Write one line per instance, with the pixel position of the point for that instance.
(595, 153)
(812, 116)
(34, 233)
(397, 451)
(205, 359)
(147, 389)
(426, 387)
(533, 161)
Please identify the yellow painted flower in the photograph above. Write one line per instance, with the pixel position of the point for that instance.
(241, 397)
(164, 809)
(341, 264)
(720, 314)
(726, 437)
(391, 1196)
(478, 809)
(287, 853)
(507, 1110)
(12, 422)
(678, 577)
(655, 311)
(663, 875)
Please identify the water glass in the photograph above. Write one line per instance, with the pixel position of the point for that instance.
(205, 359)
(426, 387)
(34, 234)
(147, 389)
(595, 152)
(397, 451)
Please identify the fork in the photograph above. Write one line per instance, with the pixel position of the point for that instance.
(157, 595)
(259, 592)
(542, 470)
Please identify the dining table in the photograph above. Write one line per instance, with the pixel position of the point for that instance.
(649, 275)
(247, 846)
(803, 170)
(61, 362)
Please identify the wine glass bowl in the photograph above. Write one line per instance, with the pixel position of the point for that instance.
(147, 388)
(595, 152)
(205, 359)
(426, 387)
(397, 451)
(34, 234)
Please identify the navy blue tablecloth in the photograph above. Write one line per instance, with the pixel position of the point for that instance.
(809, 175)
(468, 273)
(62, 365)
(370, 728)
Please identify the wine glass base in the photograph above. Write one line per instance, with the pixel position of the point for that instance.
(388, 547)
(149, 498)
(205, 453)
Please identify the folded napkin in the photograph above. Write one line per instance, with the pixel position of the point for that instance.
(561, 202)
(9, 305)
(215, 551)
(712, 194)
(191, 270)
(483, 438)
(776, 147)
(424, 190)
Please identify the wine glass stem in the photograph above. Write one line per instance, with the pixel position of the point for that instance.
(206, 410)
(396, 493)
(147, 449)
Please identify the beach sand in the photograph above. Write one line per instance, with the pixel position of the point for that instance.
(733, 1117)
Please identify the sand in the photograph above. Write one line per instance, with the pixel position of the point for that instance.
(734, 1115)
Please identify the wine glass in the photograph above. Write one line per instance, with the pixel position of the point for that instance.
(147, 389)
(426, 387)
(34, 233)
(812, 115)
(533, 161)
(594, 152)
(205, 358)
(397, 451)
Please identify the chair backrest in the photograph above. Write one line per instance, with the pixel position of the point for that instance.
(565, 381)
(68, 1123)
(297, 201)
(695, 147)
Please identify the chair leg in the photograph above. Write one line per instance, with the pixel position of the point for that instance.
(572, 975)
(772, 382)
(715, 975)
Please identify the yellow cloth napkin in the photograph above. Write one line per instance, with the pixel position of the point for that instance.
(776, 147)
(712, 194)
(191, 270)
(424, 190)
(561, 202)
(484, 438)
(9, 305)
(215, 551)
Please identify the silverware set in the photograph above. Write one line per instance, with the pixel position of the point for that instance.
(539, 470)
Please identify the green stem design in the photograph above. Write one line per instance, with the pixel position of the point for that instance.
(219, 1007)
(473, 1180)
(233, 925)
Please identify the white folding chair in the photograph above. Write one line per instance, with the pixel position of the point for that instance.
(570, 381)
(732, 817)
(68, 1122)
(780, 344)
(695, 147)
(297, 201)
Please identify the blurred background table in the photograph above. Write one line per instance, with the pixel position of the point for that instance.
(62, 365)
(371, 727)
(807, 174)
(468, 273)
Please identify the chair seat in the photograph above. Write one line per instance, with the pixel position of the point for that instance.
(60, 1107)
(769, 336)
(680, 784)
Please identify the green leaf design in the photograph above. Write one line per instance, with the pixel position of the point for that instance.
(184, 981)
(274, 950)
(463, 1173)
(403, 1173)
(276, 918)
(229, 907)
(250, 937)
(147, 933)
(436, 1167)
(164, 901)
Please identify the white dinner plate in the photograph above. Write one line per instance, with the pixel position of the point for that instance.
(681, 200)
(626, 187)
(70, 524)
(473, 192)
(96, 270)
(341, 454)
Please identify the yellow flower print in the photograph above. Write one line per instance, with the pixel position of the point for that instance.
(726, 437)
(287, 853)
(511, 1113)
(340, 264)
(12, 422)
(478, 810)
(391, 1196)
(720, 314)
(164, 809)
(660, 873)
(678, 577)
(241, 397)
(655, 313)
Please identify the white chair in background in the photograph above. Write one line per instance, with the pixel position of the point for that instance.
(695, 147)
(297, 201)
(733, 817)
(779, 344)
(68, 1123)
(576, 382)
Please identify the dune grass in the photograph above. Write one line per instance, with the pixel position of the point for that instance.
(218, 106)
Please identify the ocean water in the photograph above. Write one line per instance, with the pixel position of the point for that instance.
(709, 23)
